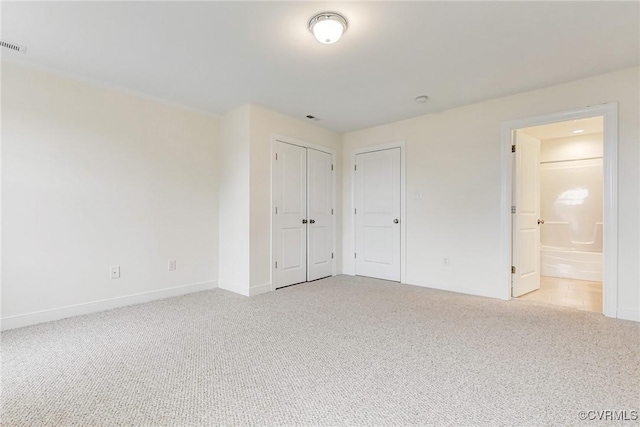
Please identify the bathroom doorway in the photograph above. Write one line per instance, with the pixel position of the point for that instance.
(558, 213)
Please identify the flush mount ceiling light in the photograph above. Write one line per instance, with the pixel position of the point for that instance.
(328, 27)
(421, 99)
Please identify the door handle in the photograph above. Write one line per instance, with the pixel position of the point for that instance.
(395, 221)
(304, 221)
(540, 221)
(312, 221)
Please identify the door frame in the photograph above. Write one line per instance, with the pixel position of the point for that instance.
(403, 206)
(609, 112)
(275, 138)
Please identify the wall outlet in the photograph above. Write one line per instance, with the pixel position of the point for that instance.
(171, 264)
(115, 272)
(445, 261)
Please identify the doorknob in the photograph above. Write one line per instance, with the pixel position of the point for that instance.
(304, 221)
(540, 221)
(395, 221)
(312, 221)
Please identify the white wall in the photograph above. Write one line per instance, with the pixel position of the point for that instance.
(454, 160)
(264, 124)
(93, 178)
(233, 179)
(245, 192)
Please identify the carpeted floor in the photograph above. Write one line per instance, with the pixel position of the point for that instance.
(337, 351)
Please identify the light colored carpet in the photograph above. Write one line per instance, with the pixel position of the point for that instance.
(337, 351)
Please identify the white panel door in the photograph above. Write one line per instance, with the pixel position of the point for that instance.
(290, 184)
(377, 214)
(526, 227)
(320, 203)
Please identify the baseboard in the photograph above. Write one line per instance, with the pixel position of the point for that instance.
(234, 287)
(629, 314)
(260, 289)
(28, 319)
(244, 290)
(477, 292)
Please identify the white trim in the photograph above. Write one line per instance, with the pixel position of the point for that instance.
(260, 289)
(629, 314)
(403, 201)
(610, 199)
(288, 140)
(234, 287)
(27, 319)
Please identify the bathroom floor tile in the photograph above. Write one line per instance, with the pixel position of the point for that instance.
(580, 294)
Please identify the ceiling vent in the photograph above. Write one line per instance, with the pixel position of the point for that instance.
(14, 47)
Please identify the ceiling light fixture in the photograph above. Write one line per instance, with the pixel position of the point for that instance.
(421, 99)
(578, 131)
(328, 27)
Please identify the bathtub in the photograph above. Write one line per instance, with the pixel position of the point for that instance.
(560, 262)
(560, 256)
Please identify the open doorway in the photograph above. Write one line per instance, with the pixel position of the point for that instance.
(609, 113)
(558, 215)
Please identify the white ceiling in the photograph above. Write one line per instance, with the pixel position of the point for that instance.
(566, 129)
(216, 56)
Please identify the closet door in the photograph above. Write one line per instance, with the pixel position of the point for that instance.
(290, 184)
(377, 214)
(320, 203)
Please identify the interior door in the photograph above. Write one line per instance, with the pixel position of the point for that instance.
(320, 226)
(377, 214)
(526, 227)
(290, 184)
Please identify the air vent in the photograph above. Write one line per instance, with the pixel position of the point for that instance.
(15, 47)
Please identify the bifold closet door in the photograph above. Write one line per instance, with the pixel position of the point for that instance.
(320, 226)
(290, 196)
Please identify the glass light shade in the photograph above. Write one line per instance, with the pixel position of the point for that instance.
(328, 27)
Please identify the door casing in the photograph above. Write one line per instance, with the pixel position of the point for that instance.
(288, 140)
(609, 112)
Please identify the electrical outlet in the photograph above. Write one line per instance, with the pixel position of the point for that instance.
(172, 264)
(115, 272)
(445, 261)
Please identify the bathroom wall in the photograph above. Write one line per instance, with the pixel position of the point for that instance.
(571, 190)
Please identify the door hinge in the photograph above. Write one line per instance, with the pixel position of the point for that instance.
(513, 269)
(513, 148)
(513, 209)
(331, 167)
(276, 156)
(331, 211)
(276, 210)
(355, 255)
(355, 167)
(331, 255)
(276, 264)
